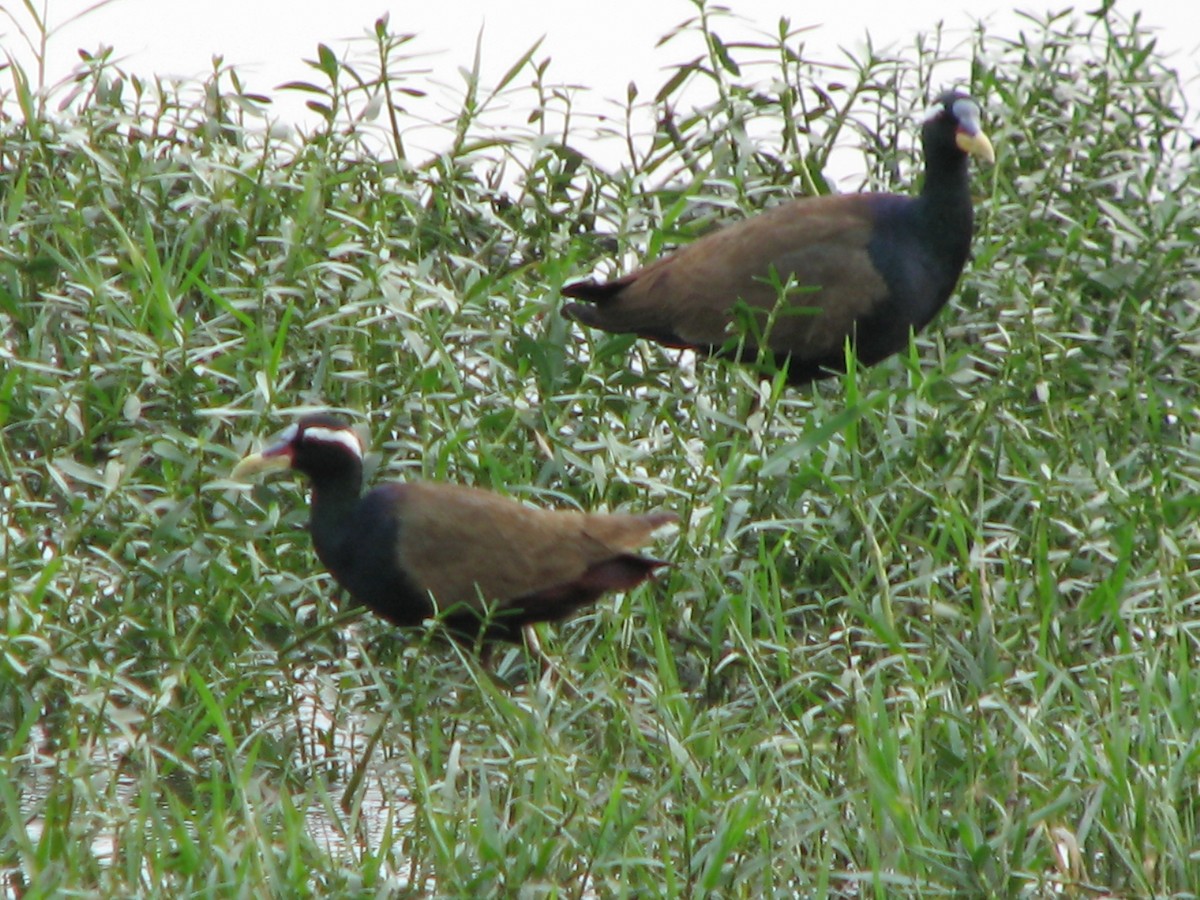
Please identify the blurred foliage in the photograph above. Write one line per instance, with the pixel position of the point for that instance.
(931, 628)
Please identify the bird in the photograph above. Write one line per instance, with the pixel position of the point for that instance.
(868, 267)
(486, 565)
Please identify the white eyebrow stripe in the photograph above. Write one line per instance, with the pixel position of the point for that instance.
(933, 112)
(335, 436)
(965, 110)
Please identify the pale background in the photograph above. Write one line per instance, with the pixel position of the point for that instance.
(601, 46)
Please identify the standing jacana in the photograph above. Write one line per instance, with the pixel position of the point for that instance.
(484, 562)
(869, 267)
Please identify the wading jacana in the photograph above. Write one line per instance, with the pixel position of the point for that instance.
(483, 562)
(868, 267)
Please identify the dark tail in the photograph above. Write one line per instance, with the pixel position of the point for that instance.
(586, 315)
(622, 572)
(593, 291)
(590, 292)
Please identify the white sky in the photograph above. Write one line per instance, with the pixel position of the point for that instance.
(594, 43)
(601, 45)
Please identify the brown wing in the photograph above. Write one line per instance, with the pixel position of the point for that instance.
(459, 543)
(819, 242)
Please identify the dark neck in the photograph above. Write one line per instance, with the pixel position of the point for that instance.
(945, 201)
(334, 499)
(946, 174)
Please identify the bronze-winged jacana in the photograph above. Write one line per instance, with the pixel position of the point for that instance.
(868, 267)
(484, 562)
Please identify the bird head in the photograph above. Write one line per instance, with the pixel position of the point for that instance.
(317, 445)
(955, 118)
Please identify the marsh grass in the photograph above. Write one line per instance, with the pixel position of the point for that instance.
(930, 628)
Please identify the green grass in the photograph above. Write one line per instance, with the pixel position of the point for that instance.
(931, 629)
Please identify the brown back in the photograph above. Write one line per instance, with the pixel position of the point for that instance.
(821, 242)
(460, 542)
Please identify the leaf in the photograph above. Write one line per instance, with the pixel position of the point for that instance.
(328, 62)
(302, 86)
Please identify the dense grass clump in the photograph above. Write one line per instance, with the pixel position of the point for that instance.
(931, 628)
